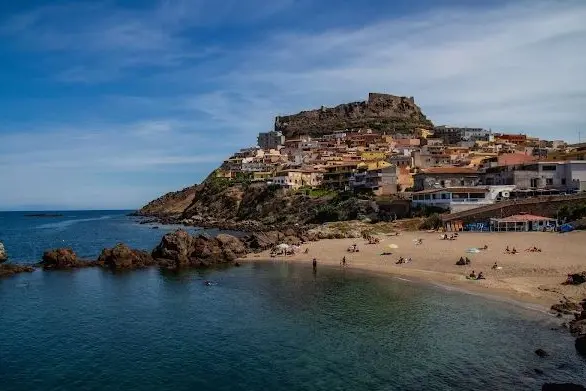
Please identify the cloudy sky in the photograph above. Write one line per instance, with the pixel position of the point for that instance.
(110, 104)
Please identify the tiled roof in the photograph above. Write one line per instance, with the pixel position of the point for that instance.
(449, 170)
(522, 218)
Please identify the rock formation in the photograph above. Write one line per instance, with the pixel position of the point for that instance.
(9, 269)
(179, 249)
(562, 387)
(123, 257)
(170, 204)
(380, 113)
(3, 255)
(63, 258)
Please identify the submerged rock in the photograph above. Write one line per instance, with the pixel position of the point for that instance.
(581, 345)
(541, 353)
(9, 269)
(63, 258)
(567, 307)
(123, 257)
(562, 387)
(3, 255)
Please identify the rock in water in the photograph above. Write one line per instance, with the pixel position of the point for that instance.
(541, 353)
(123, 257)
(62, 258)
(581, 345)
(175, 246)
(3, 255)
(8, 269)
(562, 387)
(179, 249)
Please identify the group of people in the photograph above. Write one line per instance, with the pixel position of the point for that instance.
(453, 236)
(463, 261)
(474, 276)
(533, 250)
(353, 248)
(509, 251)
(403, 260)
(372, 240)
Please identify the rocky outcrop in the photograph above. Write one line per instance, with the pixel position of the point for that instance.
(170, 204)
(179, 249)
(9, 269)
(63, 258)
(3, 255)
(123, 257)
(380, 113)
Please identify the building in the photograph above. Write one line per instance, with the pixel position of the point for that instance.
(270, 140)
(380, 181)
(511, 138)
(567, 176)
(296, 178)
(439, 177)
(450, 135)
(427, 160)
(458, 199)
(476, 134)
(523, 222)
(337, 176)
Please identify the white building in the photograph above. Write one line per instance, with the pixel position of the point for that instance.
(458, 199)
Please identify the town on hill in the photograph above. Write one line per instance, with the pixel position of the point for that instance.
(367, 158)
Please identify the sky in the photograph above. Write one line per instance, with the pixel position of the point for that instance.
(109, 104)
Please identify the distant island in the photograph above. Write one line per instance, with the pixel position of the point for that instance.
(43, 215)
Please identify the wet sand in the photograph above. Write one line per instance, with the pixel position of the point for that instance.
(532, 277)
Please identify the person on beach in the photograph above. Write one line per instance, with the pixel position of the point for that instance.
(314, 263)
(514, 251)
(343, 262)
(495, 266)
(480, 276)
(473, 274)
(507, 250)
(307, 252)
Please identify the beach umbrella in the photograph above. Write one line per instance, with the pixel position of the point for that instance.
(393, 245)
(282, 246)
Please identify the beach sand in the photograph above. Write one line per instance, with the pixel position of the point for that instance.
(527, 276)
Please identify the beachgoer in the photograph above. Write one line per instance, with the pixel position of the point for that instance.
(467, 261)
(409, 260)
(507, 250)
(480, 276)
(514, 251)
(495, 266)
(314, 263)
(473, 274)
(485, 247)
(307, 251)
(343, 261)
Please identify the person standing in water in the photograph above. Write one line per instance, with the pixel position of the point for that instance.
(343, 263)
(314, 263)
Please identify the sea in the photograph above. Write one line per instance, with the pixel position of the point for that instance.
(261, 326)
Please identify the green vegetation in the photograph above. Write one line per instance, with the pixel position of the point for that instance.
(571, 213)
(434, 221)
(426, 211)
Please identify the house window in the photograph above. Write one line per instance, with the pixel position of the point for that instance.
(549, 181)
(443, 183)
(563, 181)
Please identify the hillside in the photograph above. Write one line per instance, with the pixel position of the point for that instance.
(217, 202)
(170, 204)
(381, 113)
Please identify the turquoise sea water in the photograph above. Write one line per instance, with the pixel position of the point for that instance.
(266, 326)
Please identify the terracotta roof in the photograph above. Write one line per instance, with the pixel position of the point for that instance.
(523, 218)
(449, 170)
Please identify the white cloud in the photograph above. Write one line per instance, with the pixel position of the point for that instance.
(186, 100)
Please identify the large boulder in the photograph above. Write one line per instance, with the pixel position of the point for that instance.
(3, 255)
(567, 307)
(175, 247)
(259, 241)
(581, 345)
(578, 327)
(62, 258)
(179, 249)
(123, 257)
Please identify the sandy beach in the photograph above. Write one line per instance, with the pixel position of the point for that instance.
(533, 277)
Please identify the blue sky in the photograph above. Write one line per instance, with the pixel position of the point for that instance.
(108, 104)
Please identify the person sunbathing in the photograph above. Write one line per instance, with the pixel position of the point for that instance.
(495, 266)
(480, 276)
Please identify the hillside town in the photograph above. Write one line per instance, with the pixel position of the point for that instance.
(451, 168)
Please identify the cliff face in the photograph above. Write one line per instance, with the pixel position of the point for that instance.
(216, 200)
(170, 204)
(381, 113)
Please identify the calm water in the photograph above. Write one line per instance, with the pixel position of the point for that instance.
(87, 232)
(262, 327)
(266, 327)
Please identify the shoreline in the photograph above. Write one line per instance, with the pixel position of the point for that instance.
(530, 278)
